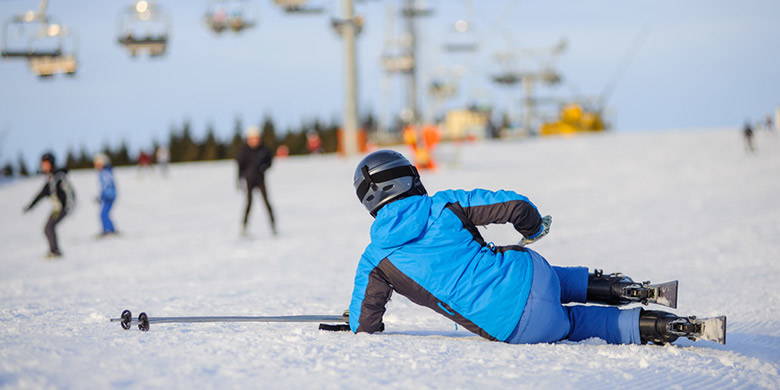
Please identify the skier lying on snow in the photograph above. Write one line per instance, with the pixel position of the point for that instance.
(428, 249)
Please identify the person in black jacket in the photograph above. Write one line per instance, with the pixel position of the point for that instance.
(747, 131)
(60, 191)
(253, 160)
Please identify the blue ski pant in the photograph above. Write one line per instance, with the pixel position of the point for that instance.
(546, 320)
(105, 218)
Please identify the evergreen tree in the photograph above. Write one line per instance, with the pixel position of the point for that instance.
(84, 160)
(108, 152)
(237, 141)
(269, 134)
(368, 123)
(209, 149)
(8, 170)
(121, 155)
(296, 142)
(188, 147)
(174, 144)
(222, 150)
(71, 161)
(22, 167)
(330, 137)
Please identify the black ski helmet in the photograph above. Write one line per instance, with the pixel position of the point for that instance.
(384, 176)
(48, 156)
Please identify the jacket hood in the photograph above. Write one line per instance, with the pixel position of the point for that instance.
(401, 221)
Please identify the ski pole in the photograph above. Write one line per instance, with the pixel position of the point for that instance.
(143, 321)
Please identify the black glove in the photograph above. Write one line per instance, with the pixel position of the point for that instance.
(545, 228)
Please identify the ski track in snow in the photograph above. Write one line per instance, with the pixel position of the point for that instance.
(660, 206)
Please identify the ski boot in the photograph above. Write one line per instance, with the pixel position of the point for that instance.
(618, 289)
(660, 327)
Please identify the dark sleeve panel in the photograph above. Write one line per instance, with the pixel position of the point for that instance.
(42, 194)
(377, 294)
(523, 215)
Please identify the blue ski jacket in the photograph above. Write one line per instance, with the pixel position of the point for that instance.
(107, 186)
(428, 249)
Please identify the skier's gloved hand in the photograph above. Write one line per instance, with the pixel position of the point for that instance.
(543, 230)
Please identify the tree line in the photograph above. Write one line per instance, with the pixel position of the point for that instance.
(184, 147)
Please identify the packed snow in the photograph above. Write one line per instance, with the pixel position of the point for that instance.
(687, 205)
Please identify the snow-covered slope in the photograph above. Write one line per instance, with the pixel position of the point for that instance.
(689, 205)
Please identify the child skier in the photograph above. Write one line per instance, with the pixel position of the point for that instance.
(428, 249)
(60, 191)
(253, 160)
(107, 192)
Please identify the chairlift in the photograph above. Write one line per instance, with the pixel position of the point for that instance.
(46, 67)
(442, 90)
(418, 10)
(507, 78)
(144, 27)
(550, 76)
(235, 15)
(48, 47)
(397, 63)
(461, 38)
(27, 35)
(300, 7)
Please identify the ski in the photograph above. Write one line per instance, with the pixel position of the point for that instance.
(711, 329)
(662, 293)
(144, 321)
(618, 289)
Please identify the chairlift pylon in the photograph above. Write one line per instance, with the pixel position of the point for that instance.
(233, 15)
(144, 27)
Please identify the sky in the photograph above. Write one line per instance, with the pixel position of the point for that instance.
(695, 64)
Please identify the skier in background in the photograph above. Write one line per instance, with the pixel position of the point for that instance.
(144, 162)
(63, 198)
(313, 142)
(428, 249)
(747, 131)
(253, 160)
(162, 158)
(107, 193)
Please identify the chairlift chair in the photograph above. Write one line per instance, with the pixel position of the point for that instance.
(461, 38)
(27, 36)
(46, 67)
(300, 7)
(397, 63)
(144, 27)
(507, 78)
(236, 15)
(442, 90)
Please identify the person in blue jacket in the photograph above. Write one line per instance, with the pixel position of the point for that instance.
(428, 249)
(107, 193)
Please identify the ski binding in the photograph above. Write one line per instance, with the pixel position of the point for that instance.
(711, 329)
(662, 293)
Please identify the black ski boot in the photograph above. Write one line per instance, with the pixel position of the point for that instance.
(618, 289)
(660, 327)
(655, 327)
